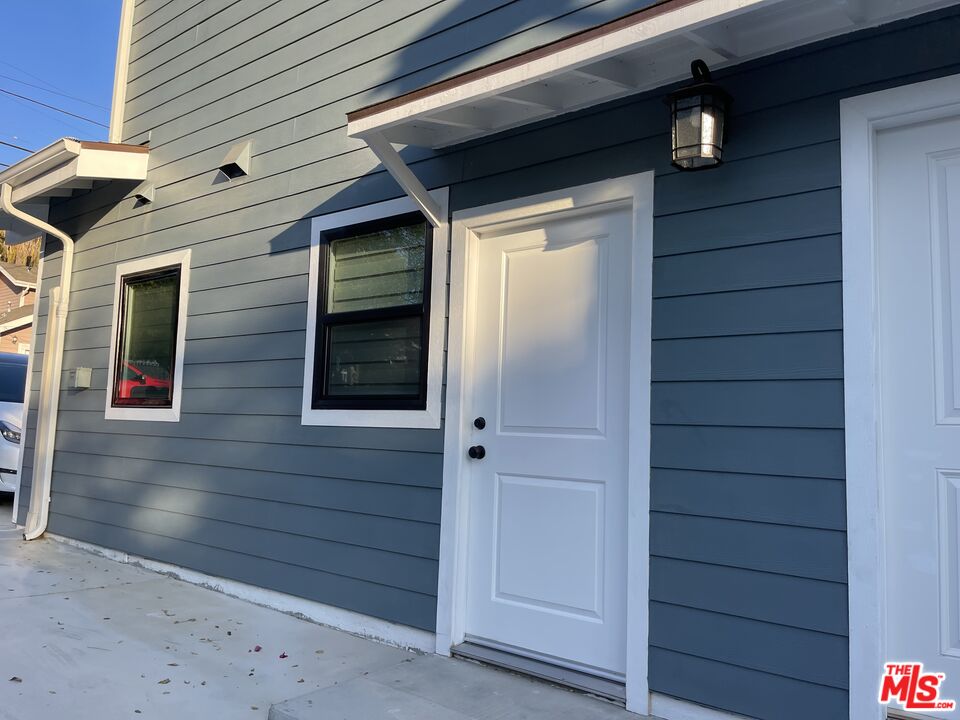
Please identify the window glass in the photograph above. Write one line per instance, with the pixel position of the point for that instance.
(381, 357)
(373, 322)
(147, 343)
(377, 270)
(13, 378)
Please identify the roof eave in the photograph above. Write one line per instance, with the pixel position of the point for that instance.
(70, 164)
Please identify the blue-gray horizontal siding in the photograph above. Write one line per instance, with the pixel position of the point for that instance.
(239, 488)
(748, 544)
(747, 529)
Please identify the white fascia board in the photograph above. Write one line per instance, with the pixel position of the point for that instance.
(18, 283)
(121, 71)
(85, 163)
(101, 164)
(617, 42)
(46, 182)
(57, 153)
(16, 324)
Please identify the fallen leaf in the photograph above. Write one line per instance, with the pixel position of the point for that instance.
(172, 664)
(283, 656)
(300, 680)
(257, 648)
(165, 681)
(16, 679)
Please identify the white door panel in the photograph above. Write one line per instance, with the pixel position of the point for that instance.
(547, 527)
(918, 227)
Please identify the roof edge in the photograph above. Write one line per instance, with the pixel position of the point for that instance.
(566, 42)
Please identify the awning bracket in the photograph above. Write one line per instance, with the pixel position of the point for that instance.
(402, 173)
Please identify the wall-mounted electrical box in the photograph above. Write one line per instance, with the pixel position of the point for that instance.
(82, 377)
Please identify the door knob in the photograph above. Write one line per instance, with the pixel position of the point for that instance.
(477, 452)
(480, 423)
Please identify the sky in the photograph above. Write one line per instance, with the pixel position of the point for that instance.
(50, 49)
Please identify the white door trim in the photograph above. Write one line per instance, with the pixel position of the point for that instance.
(636, 192)
(860, 120)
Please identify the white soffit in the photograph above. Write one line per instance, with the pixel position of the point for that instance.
(638, 52)
(67, 165)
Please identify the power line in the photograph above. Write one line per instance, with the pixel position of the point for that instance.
(53, 92)
(56, 117)
(15, 147)
(30, 74)
(53, 107)
(5, 164)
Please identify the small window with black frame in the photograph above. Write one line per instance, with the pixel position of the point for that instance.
(147, 340)
(373, 315)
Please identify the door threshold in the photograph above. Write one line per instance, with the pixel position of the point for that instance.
(602, 687)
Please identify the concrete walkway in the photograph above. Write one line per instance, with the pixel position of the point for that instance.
(84, 637)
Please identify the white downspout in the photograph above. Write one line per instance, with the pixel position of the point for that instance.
(36, 523)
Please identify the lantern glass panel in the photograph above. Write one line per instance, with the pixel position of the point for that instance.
(698, 130)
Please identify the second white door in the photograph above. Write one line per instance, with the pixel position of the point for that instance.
(918, 226)
(546, 567)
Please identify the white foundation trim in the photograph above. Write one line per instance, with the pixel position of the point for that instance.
(429, 417)
(154, 262)
(355, 623)
(860, 120)
(636, 192)
(670, 708)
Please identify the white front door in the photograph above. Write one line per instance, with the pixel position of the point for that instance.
(918, 230)
(547, 538)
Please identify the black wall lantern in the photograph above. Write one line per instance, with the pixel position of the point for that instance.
(698, 115)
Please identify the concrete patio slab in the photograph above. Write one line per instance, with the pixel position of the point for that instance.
(430, 687)
(88, 638)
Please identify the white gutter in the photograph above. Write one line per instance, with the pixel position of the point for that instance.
(36, 523)
(53, 155)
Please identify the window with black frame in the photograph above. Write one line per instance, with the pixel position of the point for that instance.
(147, 339)
(373, 315)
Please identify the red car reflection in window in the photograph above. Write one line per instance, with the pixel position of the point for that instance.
(144, 380)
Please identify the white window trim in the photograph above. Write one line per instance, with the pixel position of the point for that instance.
(430, 417)
(860, 120)
(156, 262)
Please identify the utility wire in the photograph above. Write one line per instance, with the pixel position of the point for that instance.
(5, 164)
(30, 74)
(53, 107)
(15, 147)
(53, 92)
(76, 128)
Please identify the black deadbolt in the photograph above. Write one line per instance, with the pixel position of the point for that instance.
(477, 452)
(479, 423)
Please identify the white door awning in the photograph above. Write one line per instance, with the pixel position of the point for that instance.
(635, 53)
(67, 165)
